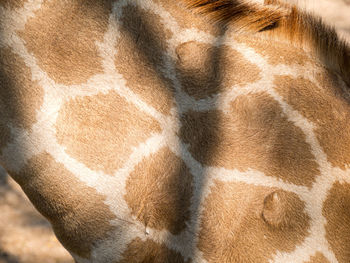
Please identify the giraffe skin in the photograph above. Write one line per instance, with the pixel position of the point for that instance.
(146, 134)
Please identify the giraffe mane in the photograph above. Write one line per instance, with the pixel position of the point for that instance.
(278, 20)
(246, 16)
(308, 31)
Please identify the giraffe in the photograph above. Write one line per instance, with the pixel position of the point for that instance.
(146, 134)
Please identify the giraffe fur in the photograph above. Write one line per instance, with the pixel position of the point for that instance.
(145, 133)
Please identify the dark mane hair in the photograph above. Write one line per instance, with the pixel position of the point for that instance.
(281, 21)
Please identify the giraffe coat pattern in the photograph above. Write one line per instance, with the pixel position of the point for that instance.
(146, 134)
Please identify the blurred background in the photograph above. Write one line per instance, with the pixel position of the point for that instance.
(26, 237)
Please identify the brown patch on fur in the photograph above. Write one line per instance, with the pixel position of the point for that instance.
(5, 137)
(159, 191)
(205, 70)
(20, 97)
(150, 252)
(97, 130)
(279, 207)
(276, 52)
(253, 134)
(242, 15)
(318, 258)
(77, 213)
(327, 107)
(140, 52)
(233, 228)
(337, 212)
(63, 36)
(12, 3)
(330, 83)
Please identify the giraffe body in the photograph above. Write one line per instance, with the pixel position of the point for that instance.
(145, 134)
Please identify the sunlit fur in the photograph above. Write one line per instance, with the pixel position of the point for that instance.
(145, 133)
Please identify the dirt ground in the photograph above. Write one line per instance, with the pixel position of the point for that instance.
(26, 237)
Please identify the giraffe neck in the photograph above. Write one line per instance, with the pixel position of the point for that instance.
(145, 134)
